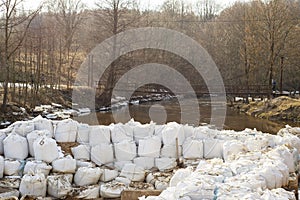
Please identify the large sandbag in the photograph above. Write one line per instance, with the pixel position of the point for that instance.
(15, 147)
(9, 194)
(34, 167)
(90, 192)
(273, 177)
(158, 131)
(45, 149)
(99, 135)
(22, 128)
(278, 193)
(180, 175)
(257, 143)
(170, 151)
(83, 163)
(34, 185)
(59, 186)
(120, 164)
(143, 131)
(66, 131)
(109, 175)
(87, 176)
(192, 149)
(42, 124)
(111, 190)
(64, 165)
(31, 137)
(171, 132)
(149, 147)
(189, 131)
(284, 153)
(12, 167)
(102, 154)
(83, 133)
(213, 148)
(2, 137)
(121, 132)
(165, 163)
(125, 150)
(204, 132)
(133, 172)
(233, 147)
(145, 162)
(81, 152)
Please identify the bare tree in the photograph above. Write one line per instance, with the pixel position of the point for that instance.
(13, 36)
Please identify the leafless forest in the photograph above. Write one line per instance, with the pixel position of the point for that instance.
(41, 50)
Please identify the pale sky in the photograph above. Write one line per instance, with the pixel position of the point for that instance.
(32, 4)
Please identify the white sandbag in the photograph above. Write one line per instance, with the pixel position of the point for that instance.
(45, 149)
(133, 172)
(120, 164)
(125, 150)
(111, 190)
(66, 131)
(165, 163)
(143, 131)
(189, 131)
(279, 193)
(170, 151)
(102, 154)
(90, 192)
(34, 185)
(2, 137)
(87, 176)
(83, 133)
(213, 148)
(59, 186)
(9, 194)
(15, 147)
(109, 175)
(22, 128)
(257, 143)
(171, 132)
(272, 176)
(34, 167)
(287, 157)
(42, 124)
(180, 175)
(64, 165)
(204, 132)
(158, 131)
(121, 132)
(99, 135)
(149, 147)
(12, 167)
(81, 152)
(192, 149)
(161, 185)
(1, 167)
(31, 137)
(233, 147)
(83, 163)
(123, 180)
(144, 162)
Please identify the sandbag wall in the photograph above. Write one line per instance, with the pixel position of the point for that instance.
(108, 158)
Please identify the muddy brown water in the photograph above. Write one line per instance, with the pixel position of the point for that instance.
(233, 121)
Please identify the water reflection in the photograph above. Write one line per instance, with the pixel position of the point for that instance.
(169, 111)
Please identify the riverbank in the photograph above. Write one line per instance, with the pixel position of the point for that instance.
(278, 109)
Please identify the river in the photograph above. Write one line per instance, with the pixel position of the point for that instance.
(233, 121)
